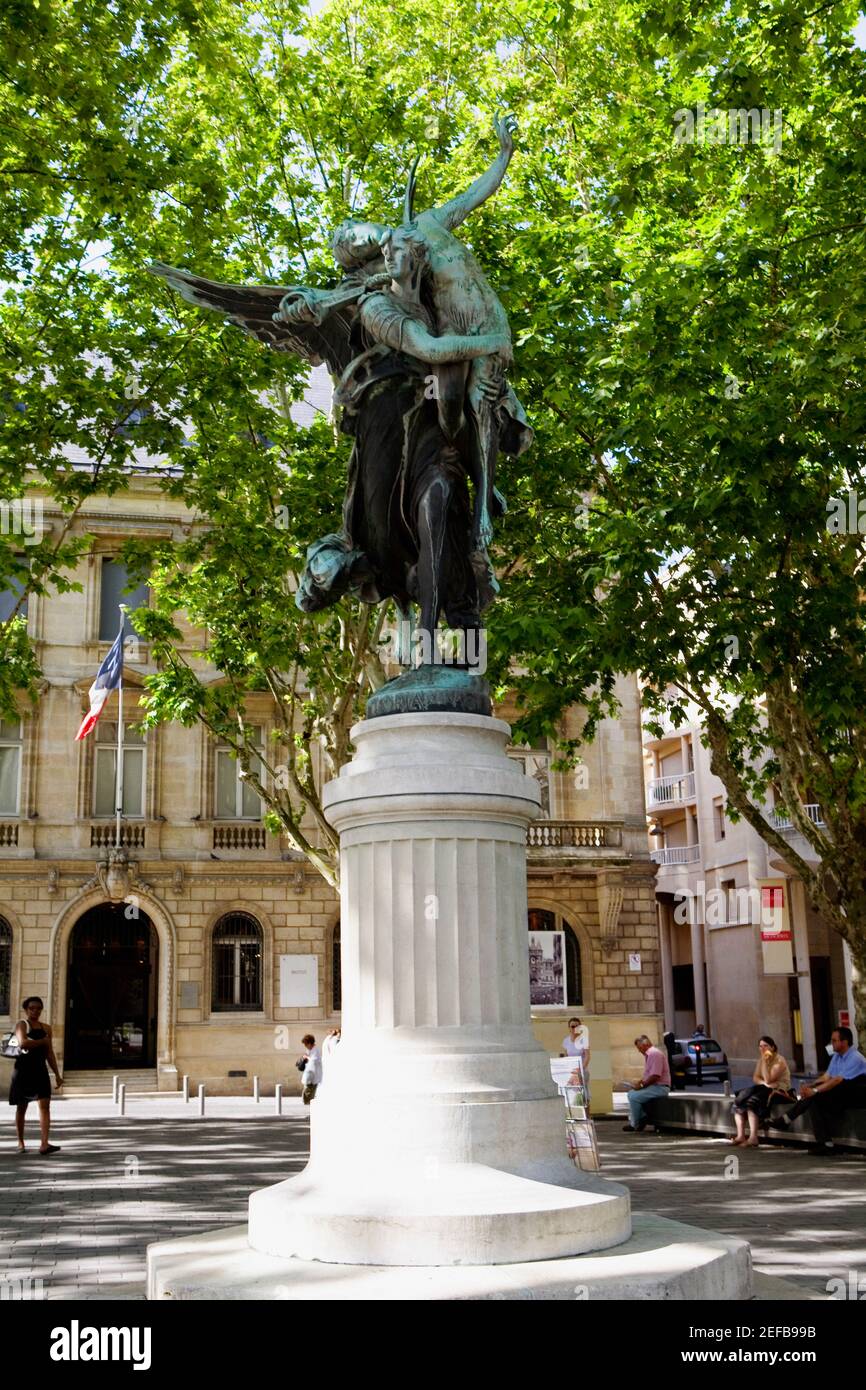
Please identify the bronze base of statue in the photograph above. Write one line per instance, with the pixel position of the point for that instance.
(447, 689)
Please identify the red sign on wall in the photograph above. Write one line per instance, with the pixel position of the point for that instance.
(772, 902)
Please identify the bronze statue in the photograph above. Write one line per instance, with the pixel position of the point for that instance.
(420, 345)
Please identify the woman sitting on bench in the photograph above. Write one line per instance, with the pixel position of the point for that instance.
(772, 1077)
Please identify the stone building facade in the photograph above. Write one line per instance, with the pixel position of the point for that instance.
(188, 958)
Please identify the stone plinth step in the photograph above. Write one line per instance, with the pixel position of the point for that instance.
(78, 1084)
(662, 1259)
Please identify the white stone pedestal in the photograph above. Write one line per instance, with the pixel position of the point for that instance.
(438, 1138)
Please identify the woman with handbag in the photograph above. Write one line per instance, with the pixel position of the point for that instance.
(30, 1079)
(772, 1077)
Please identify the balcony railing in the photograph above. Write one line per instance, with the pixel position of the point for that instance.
(783, 822)
(670, 791)
(573, 834)
(676, 854)
(103, 835)
(233, 836)
(8, 834)
(666, 723)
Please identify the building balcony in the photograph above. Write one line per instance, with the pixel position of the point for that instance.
(573, 834)
(671, 791)
(782, 822)
(8, 834)
(133, 834)
(676, 854)
(665, 722)
(234, 835)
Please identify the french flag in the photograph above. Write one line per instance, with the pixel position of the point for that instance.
(107, 679)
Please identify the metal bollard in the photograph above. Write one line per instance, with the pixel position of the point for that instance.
(185, 1089)
(201, 1099)
(256, 1096)
(121, 1098)
(278, 1099)
(115, 1082)
(727, 1088)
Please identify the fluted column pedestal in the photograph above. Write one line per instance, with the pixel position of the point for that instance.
(438, 1136)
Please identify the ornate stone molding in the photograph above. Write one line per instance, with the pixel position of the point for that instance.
(611, 891)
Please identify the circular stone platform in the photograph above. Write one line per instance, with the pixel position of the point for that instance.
(662, 1260)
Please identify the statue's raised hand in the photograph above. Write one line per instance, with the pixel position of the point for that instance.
(506, 129)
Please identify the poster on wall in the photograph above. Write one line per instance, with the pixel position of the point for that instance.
(299, 982)
(777, 947)
(547, 969)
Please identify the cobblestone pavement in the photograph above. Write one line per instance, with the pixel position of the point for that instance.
(804, 1217)
(81, 1220)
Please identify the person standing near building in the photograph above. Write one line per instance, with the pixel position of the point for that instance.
(653, 1085)
(312, 1073)
(576, 1044)
(841, 1087)
(30, 1079)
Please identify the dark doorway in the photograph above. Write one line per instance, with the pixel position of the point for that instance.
(111, 993)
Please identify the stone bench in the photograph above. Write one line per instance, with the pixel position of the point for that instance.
(713, 1114)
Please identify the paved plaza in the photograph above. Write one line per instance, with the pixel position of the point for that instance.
(81, 1220)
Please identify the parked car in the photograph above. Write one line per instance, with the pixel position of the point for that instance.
(684, 1062)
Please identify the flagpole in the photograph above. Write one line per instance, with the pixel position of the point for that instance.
(118, 781)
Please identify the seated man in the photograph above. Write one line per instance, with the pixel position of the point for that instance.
(842, 1087)
(655, 1083)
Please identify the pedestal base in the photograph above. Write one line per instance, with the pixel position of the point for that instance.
(662, 1260)
(439, 1214)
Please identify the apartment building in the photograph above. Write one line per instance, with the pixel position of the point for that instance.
(742, 950)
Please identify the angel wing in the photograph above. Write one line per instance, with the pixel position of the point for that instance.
(252, 308)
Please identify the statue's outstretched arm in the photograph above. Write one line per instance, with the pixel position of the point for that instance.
(397, 330)
(452, 213)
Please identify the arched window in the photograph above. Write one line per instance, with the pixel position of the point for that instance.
(336, 972)
(545, 973)
(5, 966)
(237, 963)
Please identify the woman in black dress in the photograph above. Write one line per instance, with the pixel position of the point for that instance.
(30, 1079)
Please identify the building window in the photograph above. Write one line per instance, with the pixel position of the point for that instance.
(540, 920)
(117, 588)
(336, 972)
(719, 818)
(237, 963)
(235, 798)
(5, 966)
(9, 597)
(105, 774)
(10, 766)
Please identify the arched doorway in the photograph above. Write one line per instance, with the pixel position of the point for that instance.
(111, 1009)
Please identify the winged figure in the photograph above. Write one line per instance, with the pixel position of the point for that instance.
(419, 346)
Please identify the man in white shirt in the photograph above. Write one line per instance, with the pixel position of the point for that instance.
(312, 1073)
